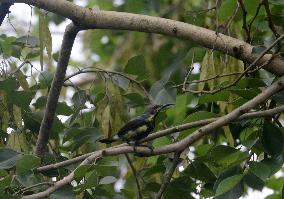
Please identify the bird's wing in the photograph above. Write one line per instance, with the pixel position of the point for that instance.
(131, 125)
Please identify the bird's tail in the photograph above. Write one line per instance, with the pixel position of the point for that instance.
(109, 140)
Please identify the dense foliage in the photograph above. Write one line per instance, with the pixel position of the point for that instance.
(128, 71)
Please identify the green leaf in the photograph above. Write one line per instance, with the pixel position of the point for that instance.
(32, 53)
(21, 98)
(226, 9)
(246, 93)
(26, 163)
(162, 141)
(65, 192)
(152, 186)
(253, 181)
(276, 2)
(44, 37)
(76, 137)
(136, 66)
(90, 181)
(259, 169)
(258, 49)
(272, 139)
(20, 76)
(81, 171)
(45, 79)
(135, 99)
(226, 156)
(5, 183)
(228, 184)
(200, 171)
(108, 180)
(274, 164)
(279, 97)
(166, 95)
(158, 168)
(120, 81)
(61, 109)
(274, 196)
(32, 121)
(9, 84)
(220, 96)
(203, 149)
(30, 41)
(250, 82)
(8, 158)
(79, 99)
(249, 137)
(182, 185)
(275, 183)
(200, 115)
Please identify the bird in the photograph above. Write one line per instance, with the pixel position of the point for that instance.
(137, 128)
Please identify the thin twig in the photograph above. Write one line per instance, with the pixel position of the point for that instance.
(186, 78)
(168, 175)
(33, 186)
(21, 65)
(270, 23)
(99, 70)
(135, 175)
(230, 20)
(245, 27)
(254, 17)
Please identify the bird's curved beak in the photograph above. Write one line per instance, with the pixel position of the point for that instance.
(165, 106)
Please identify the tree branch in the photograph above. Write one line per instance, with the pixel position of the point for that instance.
(168, 175)
(88, 18)
(183, 127)
(135, 176)
(56, 85)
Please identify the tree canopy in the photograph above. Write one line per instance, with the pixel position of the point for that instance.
(220, 62)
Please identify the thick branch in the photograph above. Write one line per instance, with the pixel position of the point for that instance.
(179, 128)
(89, 19)
(53, 96)
(168, 175)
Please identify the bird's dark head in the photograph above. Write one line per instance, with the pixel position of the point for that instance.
(155, 109)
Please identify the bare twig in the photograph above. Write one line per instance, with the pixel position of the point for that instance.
(33, 186)
(21, 65)
(245, 27)
(270, 23)
(197, 12)
(135, 175)
(168, 175)
(56, 85)
(186, 78)
(110, 73)
(230, 20)
(254, 17)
